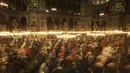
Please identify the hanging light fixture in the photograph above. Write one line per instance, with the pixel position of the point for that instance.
(101, 14)
(98, 2)
(53, 9)
(3, 4)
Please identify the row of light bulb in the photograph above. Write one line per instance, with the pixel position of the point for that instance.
(70, 34)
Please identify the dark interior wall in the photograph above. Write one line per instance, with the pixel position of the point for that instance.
(127, 10)
(2, 18)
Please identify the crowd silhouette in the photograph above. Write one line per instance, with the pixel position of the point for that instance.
(83, 54)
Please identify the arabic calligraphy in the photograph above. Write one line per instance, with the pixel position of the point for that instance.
(32, 3)
(117, 6)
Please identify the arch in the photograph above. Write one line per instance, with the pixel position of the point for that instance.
(77, 24)
(57, 21)
(103, 24)
(23, 22)
(63, 21)
(64, 24)
(49, 23)
(97, 24)
(77, 21)
(92, 25)
(71, 24)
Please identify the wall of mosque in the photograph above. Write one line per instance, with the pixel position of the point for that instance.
(86, 17)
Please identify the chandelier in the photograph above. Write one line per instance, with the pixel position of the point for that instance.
(98, 2)
(3, 4)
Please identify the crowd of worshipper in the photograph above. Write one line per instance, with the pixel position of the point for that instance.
(48, 54)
